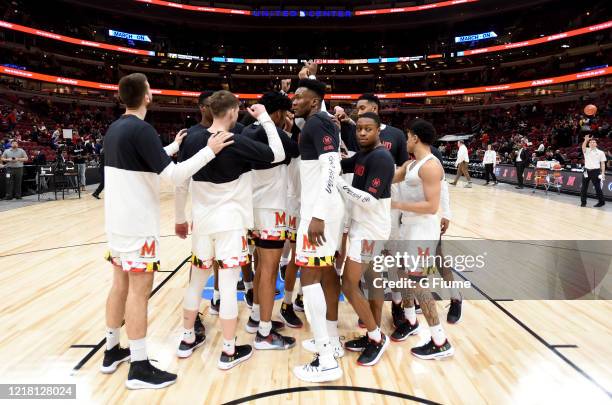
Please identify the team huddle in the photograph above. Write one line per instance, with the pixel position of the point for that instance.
(293, 187)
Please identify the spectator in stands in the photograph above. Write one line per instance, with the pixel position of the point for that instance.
(14, 158)
(462, 164)
(80, 160)
(11, 119)
(40, 159)
(96, 194)
(521, 161)
(55, 138)
(34, 134)
(490, 161)
(559, 158)
(594, 170)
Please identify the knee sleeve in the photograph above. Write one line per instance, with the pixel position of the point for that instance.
(227, 289)
(193, 294)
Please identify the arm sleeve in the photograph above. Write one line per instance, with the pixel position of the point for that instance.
(172, 149)
(273, 138)
(181, 172)
(348, 165)
(155, 157)
(445, 211)
(356, 196)
(251, 150)
(330, 166)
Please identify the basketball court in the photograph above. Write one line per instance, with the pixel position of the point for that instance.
(508, 351)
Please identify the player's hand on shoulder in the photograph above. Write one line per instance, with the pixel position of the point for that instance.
(180, 136)
(220, 140)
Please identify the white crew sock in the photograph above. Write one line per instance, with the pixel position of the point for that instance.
(248, 285)
(410, 314)
(255, 313)
(216, 295)
(112, 337)
(229, 346)
(288, 297)
(138, 349)
(265, 328)
(300, 291)
(375, 335)
(188, 335)
(437, 334)
(332, 328)
(315, 309)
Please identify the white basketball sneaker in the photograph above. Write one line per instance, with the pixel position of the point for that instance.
(317, 371)
(309, 344)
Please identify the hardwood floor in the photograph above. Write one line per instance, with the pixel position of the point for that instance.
(54, 285)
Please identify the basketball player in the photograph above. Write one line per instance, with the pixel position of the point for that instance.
(370, 195)
(410, 325)
(319, 231)
(222, 212)
(289, 275)
(247, 274)
(135, 162)
(420, 183)
(270, 226)
(394, 140)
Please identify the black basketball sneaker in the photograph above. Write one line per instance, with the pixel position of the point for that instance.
(114, 357)
(143, 375)
(357, 345)
(454, 312)
(214, 306)
(298, 304)
(248, 298)
(240, 285)
(397, 313)
(252, 325)
(274, 341)
(373, 351)
(289, 317)
(430, 350)
(404, 330)
(199, 326)
(241, 353)
(186, 349)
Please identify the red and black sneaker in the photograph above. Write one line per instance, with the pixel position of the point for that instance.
(430, 350)
(287, 314)
(274, 341)
(404, 330)
(373, 351)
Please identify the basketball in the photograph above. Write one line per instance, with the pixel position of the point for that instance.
(590, 110)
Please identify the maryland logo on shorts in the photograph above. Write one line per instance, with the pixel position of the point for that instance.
(199, 263)
(132, 265)
(315, 261)
(273, 234)
(234, 262)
